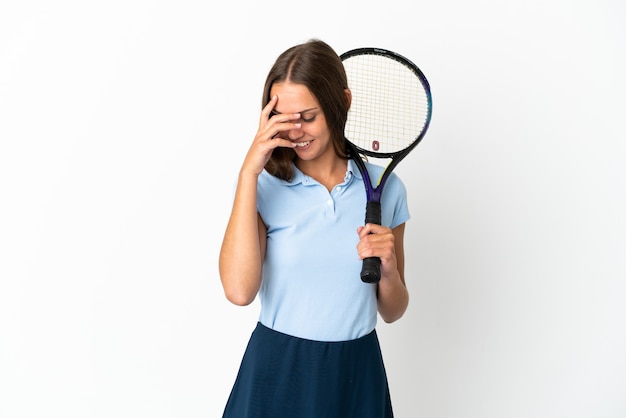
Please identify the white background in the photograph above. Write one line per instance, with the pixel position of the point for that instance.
(122, 127)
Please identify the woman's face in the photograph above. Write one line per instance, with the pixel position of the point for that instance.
(312, 139)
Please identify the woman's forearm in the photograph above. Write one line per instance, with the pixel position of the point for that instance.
(241, 255)
(393, 296)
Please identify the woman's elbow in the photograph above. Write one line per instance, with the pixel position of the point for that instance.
(392, 312)
(239, 298)
(392, 318)
(240, 293)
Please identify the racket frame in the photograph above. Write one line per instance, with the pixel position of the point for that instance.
(370, 272)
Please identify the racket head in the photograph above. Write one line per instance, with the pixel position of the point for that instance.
(391, 103)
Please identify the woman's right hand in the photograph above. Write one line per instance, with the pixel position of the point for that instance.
(268, 137)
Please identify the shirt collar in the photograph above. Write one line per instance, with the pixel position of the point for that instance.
(353, 169)
(300, 178)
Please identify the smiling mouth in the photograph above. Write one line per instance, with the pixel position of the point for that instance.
(302, 144)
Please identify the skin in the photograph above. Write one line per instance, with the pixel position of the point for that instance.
(294, 119)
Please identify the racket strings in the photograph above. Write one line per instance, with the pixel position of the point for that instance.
(389, 104)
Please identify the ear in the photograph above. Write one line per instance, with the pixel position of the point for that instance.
(348, 97)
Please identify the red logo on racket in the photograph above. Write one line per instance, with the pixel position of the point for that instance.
(375, 145)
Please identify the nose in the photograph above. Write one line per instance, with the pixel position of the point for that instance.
(296, 133)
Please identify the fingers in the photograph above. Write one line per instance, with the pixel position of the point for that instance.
(370, 228)
(273, 124)
(269, 136)
(267, 110)
(375, 241)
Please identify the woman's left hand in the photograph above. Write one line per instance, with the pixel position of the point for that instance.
(378, 241)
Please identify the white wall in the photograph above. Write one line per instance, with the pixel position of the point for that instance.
(122, 126)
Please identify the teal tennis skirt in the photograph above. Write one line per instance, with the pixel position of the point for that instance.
(284, 376)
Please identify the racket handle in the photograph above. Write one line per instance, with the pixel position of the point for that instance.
(370, 272)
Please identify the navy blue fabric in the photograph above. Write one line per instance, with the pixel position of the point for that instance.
(284, 376)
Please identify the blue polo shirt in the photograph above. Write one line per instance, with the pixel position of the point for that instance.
(311, 286)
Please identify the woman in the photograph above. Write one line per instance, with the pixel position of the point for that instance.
(295, 238)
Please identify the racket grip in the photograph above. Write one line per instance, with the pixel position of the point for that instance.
(370, 272)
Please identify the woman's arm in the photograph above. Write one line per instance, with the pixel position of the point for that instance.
(243, 247)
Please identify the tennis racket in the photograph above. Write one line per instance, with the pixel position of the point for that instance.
(389, 115)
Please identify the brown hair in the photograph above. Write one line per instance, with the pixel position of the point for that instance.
(317, 66)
